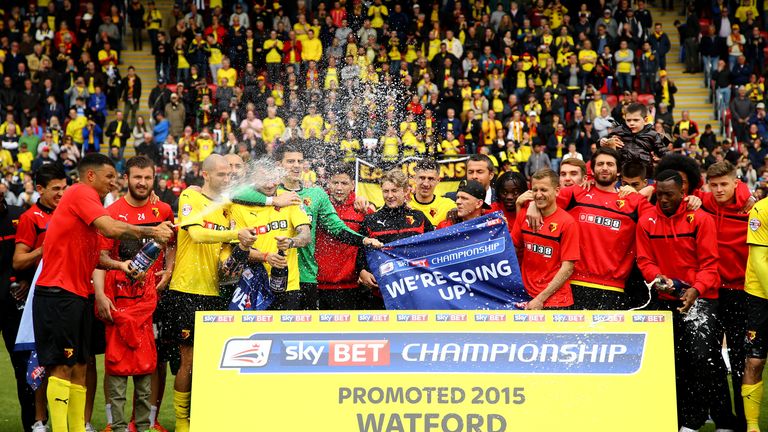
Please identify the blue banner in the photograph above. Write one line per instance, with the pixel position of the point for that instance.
(471, 265)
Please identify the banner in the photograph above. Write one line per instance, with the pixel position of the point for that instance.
(471, 265)
(368, 175)
(436, 371)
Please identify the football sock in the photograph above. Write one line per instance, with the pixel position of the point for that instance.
(58, 402)
(752, 395)
(76, 413)
(181, 408)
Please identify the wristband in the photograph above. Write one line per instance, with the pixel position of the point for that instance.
(293, 243)
(268, 201)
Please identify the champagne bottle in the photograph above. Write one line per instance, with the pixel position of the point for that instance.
(278, 277)
(145, 258)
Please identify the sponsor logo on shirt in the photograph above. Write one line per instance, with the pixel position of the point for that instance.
(186, 210)
(613, 224)
(754, 224)
(272, 226)
(539, 249)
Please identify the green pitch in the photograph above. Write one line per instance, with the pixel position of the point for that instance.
(10, 420)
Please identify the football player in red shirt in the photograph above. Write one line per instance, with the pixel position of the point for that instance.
(50, 182)
(128, 302)
(548, 256)
(677, 252)
(70, 255)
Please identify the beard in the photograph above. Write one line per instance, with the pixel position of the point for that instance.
(611, 180)
(138, 195)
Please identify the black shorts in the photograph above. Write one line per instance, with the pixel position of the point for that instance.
(62, 326)
(98, 331)
(588, 298)
(757, 327)
(167, 348)
(181, 308)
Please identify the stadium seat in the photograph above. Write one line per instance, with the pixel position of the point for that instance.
(612, 100)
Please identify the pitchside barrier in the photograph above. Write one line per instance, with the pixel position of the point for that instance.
(433, 371)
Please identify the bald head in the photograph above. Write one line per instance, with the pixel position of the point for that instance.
(217, 174)
(213, 161)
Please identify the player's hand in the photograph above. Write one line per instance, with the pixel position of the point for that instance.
(626, 190)
(247, 237)
(534, 218)
(587, 184)
(366, 278)
(748, 206)
(163, 232)
(276, 260)
(361, 204)
(524, 198)
(372, 243)
(286, 199)
(165, 278)
(104, 307)
(535, 304)
(153, 198)
(647, 192)
(284, 243)
(21, 293)
(694, 202)
(689, 298)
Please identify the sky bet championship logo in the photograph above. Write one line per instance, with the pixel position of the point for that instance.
(411, 352)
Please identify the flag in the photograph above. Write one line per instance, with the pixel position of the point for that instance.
(471, 265)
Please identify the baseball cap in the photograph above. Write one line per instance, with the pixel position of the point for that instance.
(475, 189)
(761, 106)
(45, 148)
(161, 80)
(87, 17)
(662, 73)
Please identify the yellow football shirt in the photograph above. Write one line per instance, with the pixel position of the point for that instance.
(197, 264)
(757, 239)
(271, 222)
(436, 210)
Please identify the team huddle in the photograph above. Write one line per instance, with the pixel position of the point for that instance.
(594, 236)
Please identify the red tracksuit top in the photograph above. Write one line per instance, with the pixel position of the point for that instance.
(683, 246)
(335, 269)
(731, 235)
(607, 225)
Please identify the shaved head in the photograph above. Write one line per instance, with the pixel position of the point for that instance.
(211, 162)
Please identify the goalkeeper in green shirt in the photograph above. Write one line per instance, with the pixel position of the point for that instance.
(318, 207)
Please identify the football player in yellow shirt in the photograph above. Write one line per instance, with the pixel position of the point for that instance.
(203, 227)
(756, 287)
(279, 229)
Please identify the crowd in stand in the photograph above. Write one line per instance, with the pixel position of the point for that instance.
(376, 80)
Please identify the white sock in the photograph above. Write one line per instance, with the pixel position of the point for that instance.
(152, 415)
(108, 412)
(685, 429)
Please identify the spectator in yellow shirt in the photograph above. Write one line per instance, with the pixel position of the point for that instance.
(312, 123)
(377, 12)
(75, 126)
(226, 72)
(273, 126)
(312, 48)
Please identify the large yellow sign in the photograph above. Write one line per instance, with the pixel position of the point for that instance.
(473, 371)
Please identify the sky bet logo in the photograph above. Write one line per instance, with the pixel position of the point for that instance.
(335, 352)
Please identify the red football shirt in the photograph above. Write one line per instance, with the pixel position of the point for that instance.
(147, 215)
(71, 249)
(544, 251)
(607, 226)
